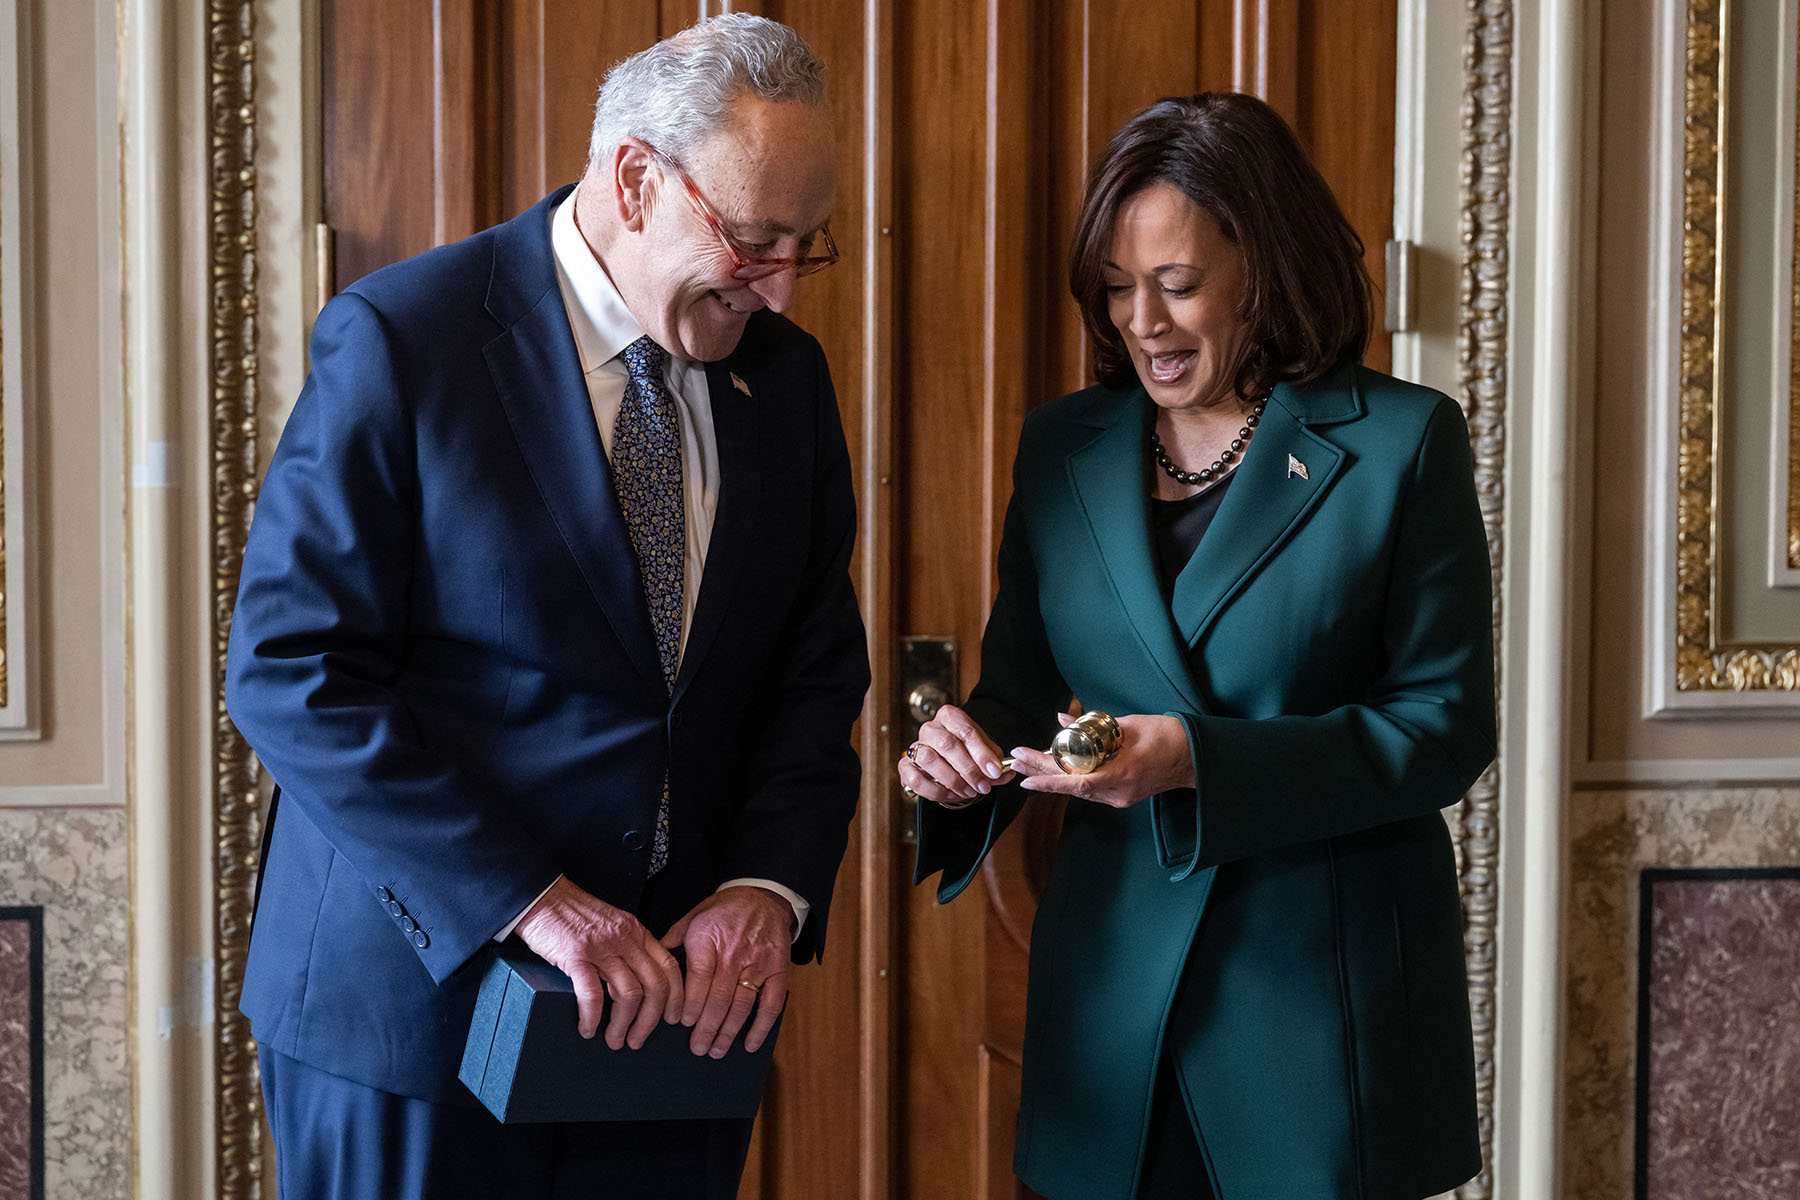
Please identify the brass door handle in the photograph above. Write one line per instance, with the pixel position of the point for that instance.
(924, 701)
(925, 676)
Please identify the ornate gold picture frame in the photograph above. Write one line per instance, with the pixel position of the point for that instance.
(13, 347)
(1792, 480)
(1704, 660)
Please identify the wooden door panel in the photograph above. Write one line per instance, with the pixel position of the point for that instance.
(380, 72)
(954, 413)
(964, 138)
(1347, 59)
(550, 56)
(997, 1112)
(820, 1098)
(1010, 105)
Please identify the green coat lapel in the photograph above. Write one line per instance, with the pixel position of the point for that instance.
(1284, 474)
(1107, 475)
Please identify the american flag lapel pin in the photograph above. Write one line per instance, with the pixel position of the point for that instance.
(738, 383)
(1296, 467)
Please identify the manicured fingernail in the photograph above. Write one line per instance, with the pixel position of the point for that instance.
(992, 770)
(982, 787)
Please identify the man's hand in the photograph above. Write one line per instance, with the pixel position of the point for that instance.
(593, 943)
(735, 938)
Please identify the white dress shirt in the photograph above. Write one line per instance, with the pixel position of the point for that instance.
(603, 327)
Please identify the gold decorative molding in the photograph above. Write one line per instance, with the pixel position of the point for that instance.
(2, 481)
(3, 588)
(1483, 335)
(1703, 660)
(1793, 446)
(231, 125)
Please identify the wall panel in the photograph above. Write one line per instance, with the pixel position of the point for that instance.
(1663, 674)
(71, 865)
(1613, 837)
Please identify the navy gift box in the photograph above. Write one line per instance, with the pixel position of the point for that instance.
(526, 1061)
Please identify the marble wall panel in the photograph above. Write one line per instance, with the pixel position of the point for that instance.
(1613, 836)
(72, 863)
(1719, 1034)
(21, 1054)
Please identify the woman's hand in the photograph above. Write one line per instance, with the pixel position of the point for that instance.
(1153, 757)
(953, 763)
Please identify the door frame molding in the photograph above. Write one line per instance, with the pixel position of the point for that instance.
(1490, 92)
(1533, 223)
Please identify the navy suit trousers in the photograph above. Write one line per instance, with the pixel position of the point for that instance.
(339, 1140)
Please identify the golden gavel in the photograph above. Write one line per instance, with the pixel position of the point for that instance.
(1084, 746)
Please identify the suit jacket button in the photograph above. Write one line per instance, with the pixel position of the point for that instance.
(633, 840)
(396, 909)
(408, 924)
(419, 939)
(383, 895)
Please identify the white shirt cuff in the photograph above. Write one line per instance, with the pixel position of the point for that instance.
(800, 907)
(514, 923)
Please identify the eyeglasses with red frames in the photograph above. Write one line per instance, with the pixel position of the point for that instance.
(743, 265)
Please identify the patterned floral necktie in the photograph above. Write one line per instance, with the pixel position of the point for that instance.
(646, 468)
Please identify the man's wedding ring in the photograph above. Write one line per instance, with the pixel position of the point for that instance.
(755, 987)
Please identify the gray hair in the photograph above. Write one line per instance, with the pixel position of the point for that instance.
(679, 92)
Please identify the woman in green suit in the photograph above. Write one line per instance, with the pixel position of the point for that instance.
(1268, 562)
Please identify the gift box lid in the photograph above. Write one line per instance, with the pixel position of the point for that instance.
(526, 1062)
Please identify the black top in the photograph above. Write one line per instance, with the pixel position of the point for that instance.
(1176, 526)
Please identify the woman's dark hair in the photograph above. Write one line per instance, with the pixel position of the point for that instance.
(1306, 291)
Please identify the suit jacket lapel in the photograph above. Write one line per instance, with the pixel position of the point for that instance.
(1107, 475)
(735, 430)
(537, 374)
(1284, 473)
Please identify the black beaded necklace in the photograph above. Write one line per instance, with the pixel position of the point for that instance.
(1206, 475)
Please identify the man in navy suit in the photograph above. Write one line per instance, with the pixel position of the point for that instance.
(546, 627)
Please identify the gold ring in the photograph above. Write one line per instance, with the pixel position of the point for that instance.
(755, 987)
(912, 752)
(908, 792)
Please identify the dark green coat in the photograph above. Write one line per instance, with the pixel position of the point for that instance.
(1290, 929)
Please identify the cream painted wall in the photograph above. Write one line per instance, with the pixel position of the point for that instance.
(70, 173)
(1702, 789)
(64, 841)
(1619, 742)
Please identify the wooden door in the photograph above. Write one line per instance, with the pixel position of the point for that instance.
(965, 132)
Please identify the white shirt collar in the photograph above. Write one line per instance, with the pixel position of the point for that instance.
(602, 325)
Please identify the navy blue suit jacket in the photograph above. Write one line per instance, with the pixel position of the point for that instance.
(442, 655)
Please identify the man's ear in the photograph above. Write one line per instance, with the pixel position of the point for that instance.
(629, 179)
